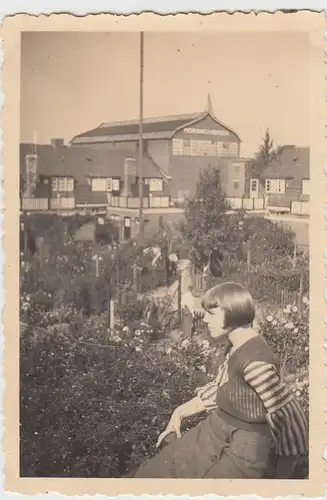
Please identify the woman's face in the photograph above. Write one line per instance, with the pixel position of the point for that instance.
(215, 319)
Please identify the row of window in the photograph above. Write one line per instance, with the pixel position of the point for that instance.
(104, 184)
(278, 186)
(196, 147)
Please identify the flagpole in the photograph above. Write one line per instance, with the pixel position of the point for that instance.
(140, 159)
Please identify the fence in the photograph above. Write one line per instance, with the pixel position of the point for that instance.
(265, 287)
(300, 208)
(38, 204)
(159, 201)
(247, 203)
(62, 203)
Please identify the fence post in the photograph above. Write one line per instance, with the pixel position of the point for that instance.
(294, 254)
(135, 277)
(109, 311)
(301, 287)
(179, 299)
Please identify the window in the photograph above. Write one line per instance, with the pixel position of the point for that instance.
(154, 184)
(115, 185)
(233, 149)
(62, 184)
(220, 149)
(193, 146)
(104, 184)
(178, 147)
(99, 184)
(204, 147)
(254, 184)
(306, 187)
(275, 186)
(236, 184)
(236, 171)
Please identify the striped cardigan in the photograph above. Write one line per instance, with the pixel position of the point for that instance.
(249, 389)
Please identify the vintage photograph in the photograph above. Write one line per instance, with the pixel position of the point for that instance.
(162, 276)
(164, 255)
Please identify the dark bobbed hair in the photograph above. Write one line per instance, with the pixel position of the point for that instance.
(236, 302)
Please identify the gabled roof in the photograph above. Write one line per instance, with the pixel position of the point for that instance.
(163, 127)
(293, 162)
(84, 162)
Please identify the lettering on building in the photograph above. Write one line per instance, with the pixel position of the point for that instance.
(205, 131)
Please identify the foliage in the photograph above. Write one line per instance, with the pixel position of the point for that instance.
(265, 155)
(58, 230)
(288, 333)
(94, 402)
(269, 242)
(207, 223)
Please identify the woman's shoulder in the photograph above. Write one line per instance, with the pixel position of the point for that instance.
(255, 349)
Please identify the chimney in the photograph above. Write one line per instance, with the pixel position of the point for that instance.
(57, 143)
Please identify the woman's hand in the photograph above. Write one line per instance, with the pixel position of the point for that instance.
(174, 425)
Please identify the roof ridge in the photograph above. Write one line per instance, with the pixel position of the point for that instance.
(150, 119)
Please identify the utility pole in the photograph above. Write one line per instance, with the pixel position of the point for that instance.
(140, 162)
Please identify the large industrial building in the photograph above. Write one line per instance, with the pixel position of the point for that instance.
(181, 146)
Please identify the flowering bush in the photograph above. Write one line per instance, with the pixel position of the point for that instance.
(288, 333)
(94, 401)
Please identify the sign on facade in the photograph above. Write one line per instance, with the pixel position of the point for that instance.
(205, 131)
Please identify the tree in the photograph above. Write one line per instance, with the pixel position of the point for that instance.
(208, 226)
(265, 155)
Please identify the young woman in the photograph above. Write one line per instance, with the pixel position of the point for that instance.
(251, 411)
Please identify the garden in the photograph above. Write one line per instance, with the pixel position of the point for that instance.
(94, 399)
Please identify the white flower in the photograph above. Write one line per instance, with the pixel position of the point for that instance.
(169, 350)
(305, 300)
(298, 393)
(274, 322)
(296, 330)
(286, 310)
(306, 348)
(205, 344)
(203, 368)
(138, 349)
(125, 329)
(289, 326)
(294, 309)
(137, 333)
(185, 343)
(269, 318)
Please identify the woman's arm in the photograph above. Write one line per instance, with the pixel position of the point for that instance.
(191, 407)
(284, 415)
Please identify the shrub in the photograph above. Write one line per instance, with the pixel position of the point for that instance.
(93, 404)
(288, 334)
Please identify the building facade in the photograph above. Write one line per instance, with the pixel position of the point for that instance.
(182, 146)
(86, 180)
(285, 182)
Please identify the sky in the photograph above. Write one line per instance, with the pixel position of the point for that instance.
(73, 81)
